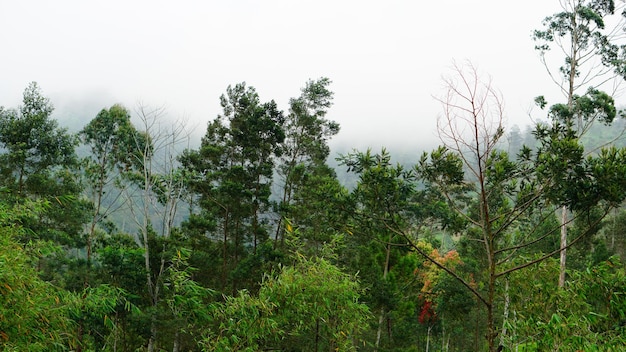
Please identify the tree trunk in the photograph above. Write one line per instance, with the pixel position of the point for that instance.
(176, 341)
(563, 247)
(153, 333)
(428, 338)
(507, 302)
(381, 318)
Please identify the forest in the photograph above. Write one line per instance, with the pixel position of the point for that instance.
(124, 237)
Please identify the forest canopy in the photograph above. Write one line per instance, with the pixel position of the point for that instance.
(122, 237)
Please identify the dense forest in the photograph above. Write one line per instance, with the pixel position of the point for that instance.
(123, 237)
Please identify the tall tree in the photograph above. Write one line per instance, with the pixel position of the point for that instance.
(592, 54)
(34, 143)
(154, 196)
(310, 305)
(39, 162)
(382, 196)
(232, 173)
(302, 166)
(111, 137)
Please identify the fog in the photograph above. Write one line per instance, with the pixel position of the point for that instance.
(385, 59)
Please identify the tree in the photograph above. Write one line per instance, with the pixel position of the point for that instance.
(121, 265)
(33, 142)
(111, 138)
(387, 203)
(232, 174)
(186, 300)
(586, 315)
(382, 195)
(592, 55)
(154, 195)
(302, 168)
(39, 162)
(33, 313)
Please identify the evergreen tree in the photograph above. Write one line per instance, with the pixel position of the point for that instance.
(39, 162)
(232, 174)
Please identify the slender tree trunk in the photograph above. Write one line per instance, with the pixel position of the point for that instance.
(150, 284)
(570, 102)
(255, 219)
(381, 318)
(176, 341)
(563, 247)
(20, 182)
(491, 328)
(507, 302)
(428, 338)
(613, 230)
(477, 327)
(226, 229)
(153, 334)
(94, 221)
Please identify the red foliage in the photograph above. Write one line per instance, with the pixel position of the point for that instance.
(427, 313)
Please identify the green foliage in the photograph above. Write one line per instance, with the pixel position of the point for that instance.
(186, 300)
(386, 211)
(113, 143)
(39, 163)
(115, 148)
(34, 314)
(38, 316)
(120, 261)
(582, 23)
(588, 315)
(232, 173)
(307, 182)
(309, 306)
(95, 312)
(490, 208)
(34, 143)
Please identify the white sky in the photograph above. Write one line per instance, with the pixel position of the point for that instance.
(385, 58)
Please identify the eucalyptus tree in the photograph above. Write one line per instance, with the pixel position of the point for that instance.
(589, 36)
(110, 137)
(34, 143)
(232, 174)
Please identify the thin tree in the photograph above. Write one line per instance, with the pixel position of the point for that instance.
(157, 193)
(305, 148)
(589, 36)
(110, 137)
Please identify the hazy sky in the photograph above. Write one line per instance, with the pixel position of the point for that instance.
(385, 58)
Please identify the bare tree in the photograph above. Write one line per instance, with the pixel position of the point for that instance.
(495, 195)
(158, 192)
